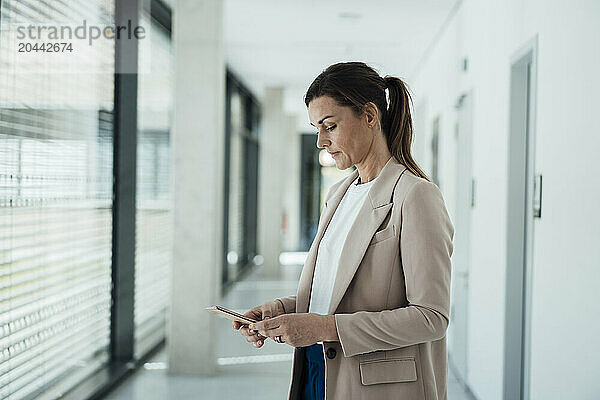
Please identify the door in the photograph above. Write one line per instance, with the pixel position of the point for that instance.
(520, 215)
(464, 201)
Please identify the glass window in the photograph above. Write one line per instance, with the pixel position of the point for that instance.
(153, 198)
(55, 207)
(242, 126)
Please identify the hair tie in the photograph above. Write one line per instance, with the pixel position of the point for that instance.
(387, 98)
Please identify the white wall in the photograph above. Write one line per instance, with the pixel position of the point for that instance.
(566, 275)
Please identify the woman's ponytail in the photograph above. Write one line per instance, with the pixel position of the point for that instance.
(397, 124)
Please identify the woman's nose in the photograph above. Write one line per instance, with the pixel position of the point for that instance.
(322, 141)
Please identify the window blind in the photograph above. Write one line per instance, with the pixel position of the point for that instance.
(55, 209)
(153, 198)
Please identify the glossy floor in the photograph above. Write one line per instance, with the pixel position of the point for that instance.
(244, 372)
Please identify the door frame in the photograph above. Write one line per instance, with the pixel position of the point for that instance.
(463, 207)
(519, 249)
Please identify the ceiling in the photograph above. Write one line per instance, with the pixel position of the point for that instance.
(288, 43)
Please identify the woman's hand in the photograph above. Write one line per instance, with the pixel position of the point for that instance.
(299, 330)
(264, 311)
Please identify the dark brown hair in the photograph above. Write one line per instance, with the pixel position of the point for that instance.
(353, 84)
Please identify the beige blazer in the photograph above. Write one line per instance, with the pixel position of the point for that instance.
(391, 295)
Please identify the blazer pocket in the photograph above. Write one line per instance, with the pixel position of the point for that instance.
(383, 234)
(388, 371)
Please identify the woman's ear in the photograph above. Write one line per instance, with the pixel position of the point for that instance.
(372, 114)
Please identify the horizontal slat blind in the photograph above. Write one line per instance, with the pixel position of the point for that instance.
(55, 209)
(153, 209)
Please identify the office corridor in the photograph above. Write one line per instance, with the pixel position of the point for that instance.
(161, 156)
(244, 372)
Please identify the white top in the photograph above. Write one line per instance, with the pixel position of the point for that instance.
(330, 248)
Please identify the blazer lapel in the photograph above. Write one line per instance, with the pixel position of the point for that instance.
(305, 284)
(369, 218)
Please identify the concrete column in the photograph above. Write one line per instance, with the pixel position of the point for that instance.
(273, 155)
(198, 155)
(291, 189)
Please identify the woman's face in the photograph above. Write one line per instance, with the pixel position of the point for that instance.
(344, 135)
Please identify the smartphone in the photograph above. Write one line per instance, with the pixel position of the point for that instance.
(232, 315)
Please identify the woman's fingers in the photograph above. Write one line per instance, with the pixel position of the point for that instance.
(257, 340)
(248, 333)
(267, 310)
(279, 331)
(265, 327)
(236, 325)
(251, 338)
(255, 313)
(244, 330)
(261, 313)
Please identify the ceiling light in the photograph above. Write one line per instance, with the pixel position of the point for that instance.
(349, 15)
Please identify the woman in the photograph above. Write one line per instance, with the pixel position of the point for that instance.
(370, 315)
